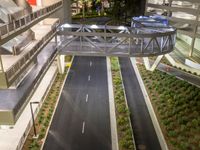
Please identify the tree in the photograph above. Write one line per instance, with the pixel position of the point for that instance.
(127, 8)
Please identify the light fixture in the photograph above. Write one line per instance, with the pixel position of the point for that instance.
(121, 28)
(66, 25)
(94, 26)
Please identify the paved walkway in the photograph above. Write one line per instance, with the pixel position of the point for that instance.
(11, 139)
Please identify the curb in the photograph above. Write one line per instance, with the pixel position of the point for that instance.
(113, 122)
(155, 122)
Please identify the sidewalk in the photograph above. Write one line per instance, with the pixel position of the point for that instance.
(11, 139)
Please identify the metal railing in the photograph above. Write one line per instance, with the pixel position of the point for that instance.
(30, 35)
(15, 25)
(28, 57)
(101, 40)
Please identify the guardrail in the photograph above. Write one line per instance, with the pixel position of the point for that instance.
(10, 28)
(101, 40)
(28, 57)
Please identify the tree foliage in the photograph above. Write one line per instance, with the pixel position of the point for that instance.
(121, 9)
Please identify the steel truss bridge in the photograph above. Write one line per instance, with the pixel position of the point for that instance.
(103, 40)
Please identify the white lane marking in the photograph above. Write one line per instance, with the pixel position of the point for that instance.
(90, 63)
(83, 127)
(86, 98)
(89, 77)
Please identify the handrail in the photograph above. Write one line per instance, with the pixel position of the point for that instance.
(7, 29)
(15, 68)
(103, 40)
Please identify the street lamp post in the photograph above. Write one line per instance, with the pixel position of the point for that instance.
(32, 114)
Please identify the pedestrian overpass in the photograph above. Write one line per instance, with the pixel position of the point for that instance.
(103, 40)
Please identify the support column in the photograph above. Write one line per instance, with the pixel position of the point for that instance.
(194, 33)
(3, 79)
(152, 67)
(56, 40)
(145, 9)
(192, 46)
(1, 65)
(61, 63)
(169, 11)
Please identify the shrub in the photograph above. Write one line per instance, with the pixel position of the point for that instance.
(34, 145)
(177, 103)
(122, 112)
(172, 133)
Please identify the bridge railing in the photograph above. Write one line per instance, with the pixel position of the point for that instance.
(102, 40)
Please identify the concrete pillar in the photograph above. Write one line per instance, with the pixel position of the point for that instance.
(195, 31)
(1, 65)
(61, 63)
(192, 46)
(152, 67)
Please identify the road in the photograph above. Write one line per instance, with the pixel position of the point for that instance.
(82, 120)
(144, 133)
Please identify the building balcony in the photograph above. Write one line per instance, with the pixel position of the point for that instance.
(13, 101)
(183, 16)
(19, 25)
(14, 68)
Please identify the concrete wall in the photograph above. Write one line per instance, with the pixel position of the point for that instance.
(64, 13)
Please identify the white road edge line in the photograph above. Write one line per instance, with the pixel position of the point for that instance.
(56, 105)
(86, 98)
(89, 77)
(90, 63)
(152, 114)
(83, 127)
(113, 123)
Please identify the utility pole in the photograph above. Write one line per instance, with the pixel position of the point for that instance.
(33, 119)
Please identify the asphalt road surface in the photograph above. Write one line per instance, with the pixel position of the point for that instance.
(82, 120)
(144, 133)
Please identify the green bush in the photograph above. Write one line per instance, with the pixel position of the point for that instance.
(34, 145)
(123, 120)
(177, 103)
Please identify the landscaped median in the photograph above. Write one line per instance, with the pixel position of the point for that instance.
(44, 116)
(177, 107)
(124, 130)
